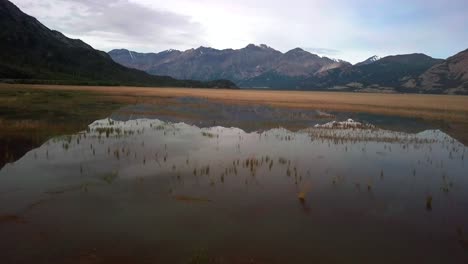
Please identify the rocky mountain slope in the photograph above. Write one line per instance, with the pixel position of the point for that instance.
(384, 73)
(449, 76)
(249, 67)
(33, 53)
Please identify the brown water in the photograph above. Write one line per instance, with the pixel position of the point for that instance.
(150, 191)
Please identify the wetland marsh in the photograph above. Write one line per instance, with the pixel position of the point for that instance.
(185, 179)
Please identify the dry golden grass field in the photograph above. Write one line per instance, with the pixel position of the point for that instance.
(446, 107)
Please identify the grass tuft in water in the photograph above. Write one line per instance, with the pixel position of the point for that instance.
(110, 177)
(429, 203)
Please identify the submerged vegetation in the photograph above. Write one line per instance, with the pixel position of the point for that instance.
(110, 177)
(30, 117)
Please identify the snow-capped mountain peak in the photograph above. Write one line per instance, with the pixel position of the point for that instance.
(374, 58)
(369, 60)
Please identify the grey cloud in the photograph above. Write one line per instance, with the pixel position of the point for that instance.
(112, 20)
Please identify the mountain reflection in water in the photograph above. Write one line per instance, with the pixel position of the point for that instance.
(303, 196)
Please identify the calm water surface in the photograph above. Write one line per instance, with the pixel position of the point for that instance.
(143, 190)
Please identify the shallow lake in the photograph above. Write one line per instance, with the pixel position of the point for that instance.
(140, 188)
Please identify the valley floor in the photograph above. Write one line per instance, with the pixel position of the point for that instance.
(445, 107)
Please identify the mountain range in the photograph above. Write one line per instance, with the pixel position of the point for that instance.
(33, 53)
(30, 52)
(252, 66)
(264, 67)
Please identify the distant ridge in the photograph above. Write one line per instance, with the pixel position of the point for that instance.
(450, 76)
(247, 66)
(260, 66)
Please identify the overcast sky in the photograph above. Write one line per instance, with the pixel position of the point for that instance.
(344, 29)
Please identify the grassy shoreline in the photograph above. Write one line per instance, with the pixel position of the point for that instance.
(431, 107)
